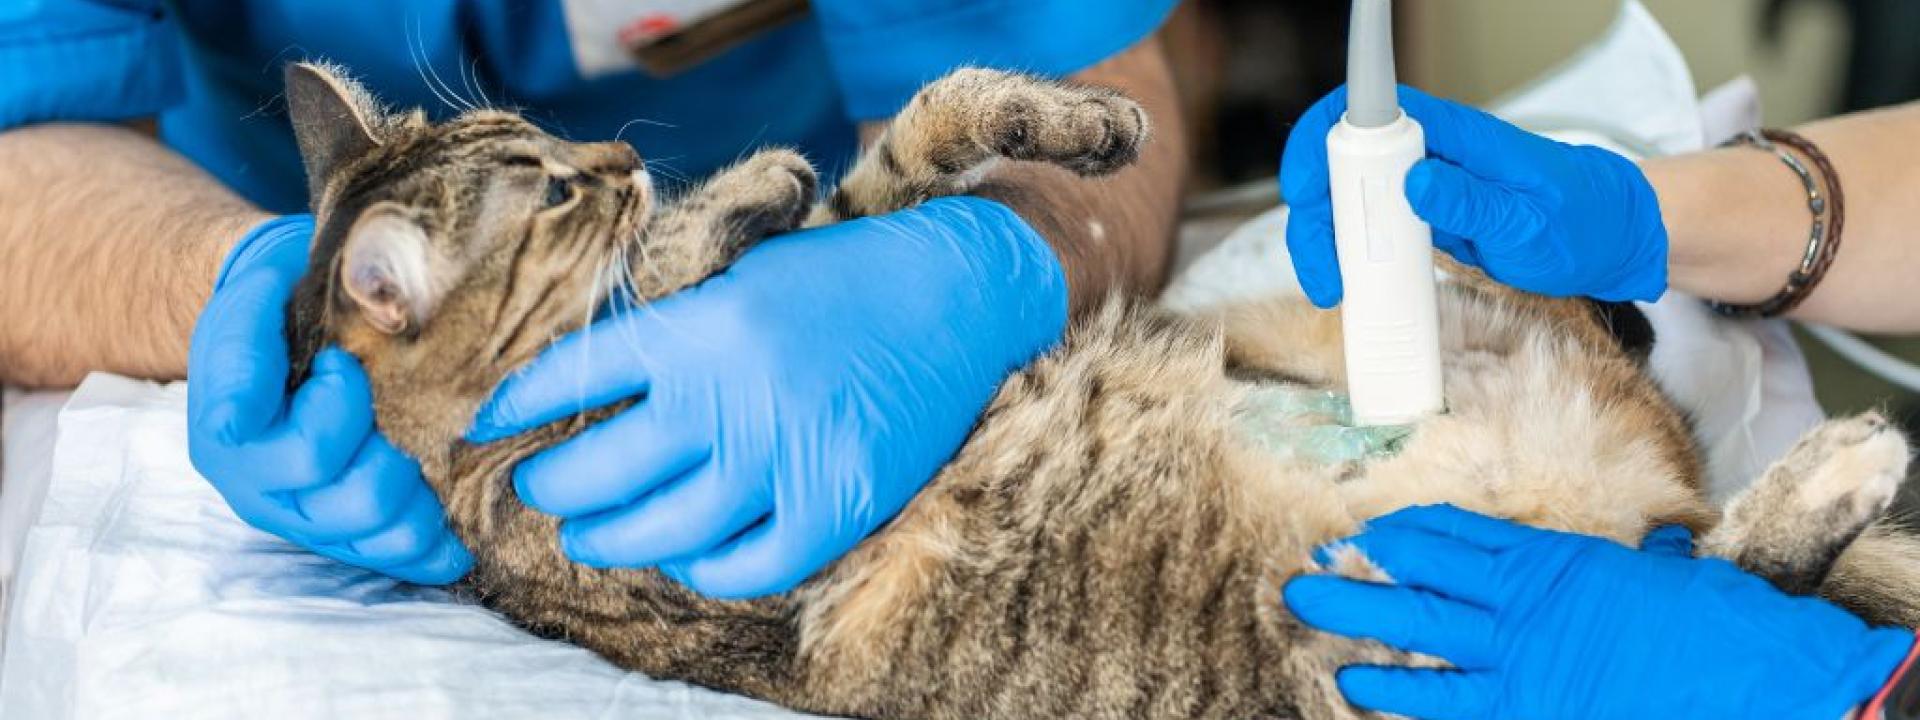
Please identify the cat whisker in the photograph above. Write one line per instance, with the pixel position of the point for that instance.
(606, 283)
(464, 102)
(479, 86)
(417, 51)
(634, 299)
(644, 121)
(596, 294)
(436, 91)
(630, 292)
(662, 168)
(473, 86)
(460, 70)
(264, 106)
(614, 288)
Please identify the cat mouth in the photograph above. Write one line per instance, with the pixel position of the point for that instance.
(615, 279)
(639, 211)
(643, 186)
(641, 206)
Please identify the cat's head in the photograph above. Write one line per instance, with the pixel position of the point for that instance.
(455, 247)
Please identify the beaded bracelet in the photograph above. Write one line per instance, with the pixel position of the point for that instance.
(1829, 215)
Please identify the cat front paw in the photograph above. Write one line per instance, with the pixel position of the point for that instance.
(1090, 131)
(772, 192)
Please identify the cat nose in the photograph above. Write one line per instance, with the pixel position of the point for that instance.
(617, 159)
(612, 158)
(624, 157)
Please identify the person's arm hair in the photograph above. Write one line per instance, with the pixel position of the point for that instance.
(1113, 234)
(1737, 221)
(109, 243)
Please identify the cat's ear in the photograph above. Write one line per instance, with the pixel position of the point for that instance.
(334, 120)
(386, 269)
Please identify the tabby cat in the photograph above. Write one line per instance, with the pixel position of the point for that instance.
(1111, 541)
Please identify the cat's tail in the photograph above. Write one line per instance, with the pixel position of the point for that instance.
(1878, 576)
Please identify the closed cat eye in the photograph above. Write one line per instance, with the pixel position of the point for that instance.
(559, 191)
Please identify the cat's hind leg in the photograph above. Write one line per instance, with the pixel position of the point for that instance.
(950, 134)
(1796, 520)
(1855, 465)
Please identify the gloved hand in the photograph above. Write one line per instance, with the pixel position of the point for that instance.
(309, 468)
(792, 403)
(1551, 625)
(1536, 214)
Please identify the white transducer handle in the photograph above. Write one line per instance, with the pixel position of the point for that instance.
(1389, 313)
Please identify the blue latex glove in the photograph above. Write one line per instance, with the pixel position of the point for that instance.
(1536, 214)
(1551, 625)
(309, 468)
(792, 403)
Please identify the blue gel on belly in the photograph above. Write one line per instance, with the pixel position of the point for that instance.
(1314, 426)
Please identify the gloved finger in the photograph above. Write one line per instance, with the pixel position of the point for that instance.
(370, 494)
(1674, 540)
(775, 556)
(1466, 526)
(414, 537)
(1401, 617)
(689, 517)
(240, 381)
(1304, 186)
(1456, 202)
(1303, 164)
(446, 563)
(612, 463)
(1458, 248)
(1425, 694)
(328, 419)
(1470, 137)
(1315, 261)
(273, 513)
(1436, 564)
(587, 369)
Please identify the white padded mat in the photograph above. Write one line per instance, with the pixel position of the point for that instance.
(142, 596)
(26, 466)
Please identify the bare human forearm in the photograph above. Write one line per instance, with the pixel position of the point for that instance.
(1738, 221)
(1113, 234)
(109, 243)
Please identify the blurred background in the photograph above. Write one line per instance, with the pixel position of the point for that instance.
(1244, 63)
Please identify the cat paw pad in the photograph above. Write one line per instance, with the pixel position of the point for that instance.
(1859, 465)
(1791, 524)
(1089, 131)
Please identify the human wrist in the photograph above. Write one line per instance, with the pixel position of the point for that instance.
(1729, 246)
(271, 237)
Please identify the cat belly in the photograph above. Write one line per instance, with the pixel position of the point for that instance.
(1107, 543)
(1103, 546)
(1107, 503)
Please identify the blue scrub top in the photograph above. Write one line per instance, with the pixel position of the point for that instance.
(211, 71)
